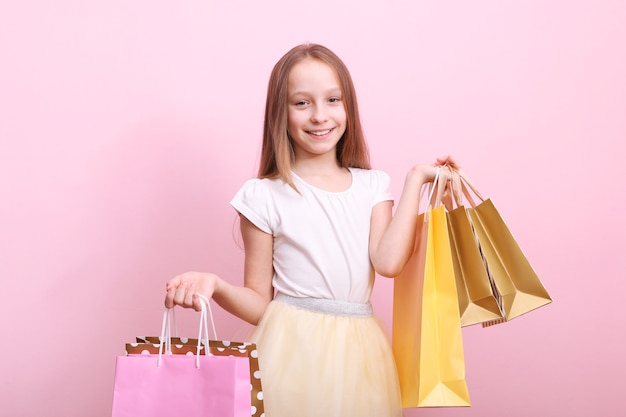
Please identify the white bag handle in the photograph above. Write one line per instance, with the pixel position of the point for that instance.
(206, 306)
(431, 189)
(437, 188)
(166, 336)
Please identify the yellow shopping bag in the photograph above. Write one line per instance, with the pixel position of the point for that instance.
(426, 333)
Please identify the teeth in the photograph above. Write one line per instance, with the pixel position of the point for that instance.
(321, 133)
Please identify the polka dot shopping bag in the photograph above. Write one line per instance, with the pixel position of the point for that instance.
(174, 376)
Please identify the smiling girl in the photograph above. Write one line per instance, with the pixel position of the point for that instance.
(317, 226)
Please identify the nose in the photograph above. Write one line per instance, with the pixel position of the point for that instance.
(319, 114)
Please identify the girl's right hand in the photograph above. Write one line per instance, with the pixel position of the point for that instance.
(183, 289)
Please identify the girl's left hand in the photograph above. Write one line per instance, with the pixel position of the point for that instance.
(428, 172)
(448, 174)
(447, 161)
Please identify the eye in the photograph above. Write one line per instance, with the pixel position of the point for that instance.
(301, 103)
(334, 99)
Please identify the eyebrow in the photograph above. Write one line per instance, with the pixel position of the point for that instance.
(330, 91)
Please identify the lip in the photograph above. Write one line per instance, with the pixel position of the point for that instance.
(320, 133)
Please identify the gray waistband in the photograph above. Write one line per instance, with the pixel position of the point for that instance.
(322, 305)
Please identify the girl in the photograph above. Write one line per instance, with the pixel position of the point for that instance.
(316, 225)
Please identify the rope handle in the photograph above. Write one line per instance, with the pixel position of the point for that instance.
(169, 318)
(434, 199)
(461, 186)
(437, 190)
(432, 187)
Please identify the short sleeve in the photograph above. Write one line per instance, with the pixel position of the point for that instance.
(381, 186)
(252, 201)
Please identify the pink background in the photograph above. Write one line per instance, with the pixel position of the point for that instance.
(127, 126)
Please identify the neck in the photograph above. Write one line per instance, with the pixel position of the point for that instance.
(317, 166)
(331, 177)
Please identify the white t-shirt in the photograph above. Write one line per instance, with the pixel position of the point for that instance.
(321, 238)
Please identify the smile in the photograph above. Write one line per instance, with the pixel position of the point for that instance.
(320, 132)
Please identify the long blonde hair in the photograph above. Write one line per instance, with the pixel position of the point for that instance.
(277, 153)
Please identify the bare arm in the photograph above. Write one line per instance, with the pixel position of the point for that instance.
(248, 302)
(392, 238)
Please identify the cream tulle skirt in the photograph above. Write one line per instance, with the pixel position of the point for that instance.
(320, 364)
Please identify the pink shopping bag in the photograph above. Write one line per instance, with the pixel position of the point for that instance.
(198, 384)
(186, 346)
(219, 387)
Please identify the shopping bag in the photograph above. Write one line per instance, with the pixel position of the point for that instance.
(185, 346)
(478, 297)
(426, 329)
(197, 384)
(520, 289)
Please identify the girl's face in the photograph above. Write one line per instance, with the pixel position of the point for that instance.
(316, 113)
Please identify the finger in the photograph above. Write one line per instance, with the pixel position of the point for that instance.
(455, 183)
(171, 289)
(447, 200)
(169, 297)
(189, 293)
(447, 160)
(443, 174)
(173, 283)
(197, 304)
(442, 160)
(180, 294)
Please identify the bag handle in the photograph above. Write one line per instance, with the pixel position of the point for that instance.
(461, 185)
(431, 188)
(169, 318)
(437, 189)
(206, 306)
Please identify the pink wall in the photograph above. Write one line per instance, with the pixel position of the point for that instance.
(125, 128)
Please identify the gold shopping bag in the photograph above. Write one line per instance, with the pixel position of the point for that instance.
(477, 295)
(519, 286)
(426, 336)
(519, 289)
